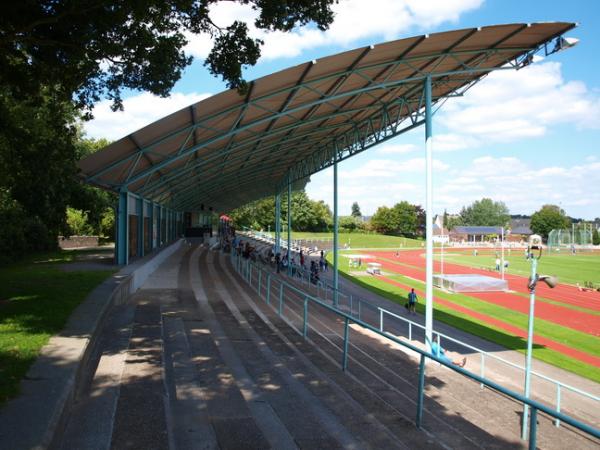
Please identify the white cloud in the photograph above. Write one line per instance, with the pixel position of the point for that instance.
(511, 105)
(523, 187)
(452, 142)
(397, 149)
(139, 111)
(354, 20)
(387, 168)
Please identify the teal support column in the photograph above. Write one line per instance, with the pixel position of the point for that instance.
(335, 233)
(139, 204)
(277, 222)
(167, 226)
(289, 227)
(428, 216)
(158, 225)
(151, 226)
(122, 225)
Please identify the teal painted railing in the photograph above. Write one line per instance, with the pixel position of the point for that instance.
(356, 306)
(246, 268)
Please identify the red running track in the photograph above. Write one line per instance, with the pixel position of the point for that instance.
(576, 354)
(560, 315)
(561, 293)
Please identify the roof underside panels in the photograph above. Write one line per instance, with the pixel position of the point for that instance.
(230, 149)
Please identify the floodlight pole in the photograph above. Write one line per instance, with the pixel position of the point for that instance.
(502, 246)
(442, 256)
(534, 262)
(289, 228)
(428, 216)
(335, 232)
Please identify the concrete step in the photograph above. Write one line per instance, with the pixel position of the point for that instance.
(201, 381)
(91, 420)
(303, 418)
(357, 420)
(140, 418)
(457, 411)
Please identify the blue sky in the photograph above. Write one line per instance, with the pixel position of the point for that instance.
(526, 138)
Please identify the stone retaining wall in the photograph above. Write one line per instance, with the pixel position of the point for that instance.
(77, 241)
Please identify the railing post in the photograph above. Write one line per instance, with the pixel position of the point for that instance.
(410, 331)
(259, 280)
(351, 305)
(249, 273)
(381, 320)
(557, 421)
(345, 353)
(268, 289)
(359, 308)
(533, 429)
(482, 368)
(280, 298)
(420, 392)
(305, 325)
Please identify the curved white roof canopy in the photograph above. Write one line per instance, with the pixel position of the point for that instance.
(228, 150)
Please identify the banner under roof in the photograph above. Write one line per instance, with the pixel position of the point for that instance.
(229, 149)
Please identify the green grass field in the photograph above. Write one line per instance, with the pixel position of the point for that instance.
(362, 240)
(36, 299)
(569, 269)
(572, 338)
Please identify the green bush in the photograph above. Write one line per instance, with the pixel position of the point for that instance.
(107, 224)
(77, 222)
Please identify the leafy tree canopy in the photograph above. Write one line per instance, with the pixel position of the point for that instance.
(87, 49)
(548, 218)
(402, 219)
(307, 214)
(356, 210)
(485, 212)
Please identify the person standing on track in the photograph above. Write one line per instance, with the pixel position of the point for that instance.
(412, 301)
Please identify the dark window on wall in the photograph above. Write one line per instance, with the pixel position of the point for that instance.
(147, 237)
(133, 236)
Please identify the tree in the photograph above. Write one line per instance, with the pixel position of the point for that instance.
(37, 162)
(548, 218)
(307, 214)
(383, 220)
(485, 212)
(348, 223)
(595, 237)
(402, 219)
(453, 222)
(406, 219)
(87, 49)
(356, 210)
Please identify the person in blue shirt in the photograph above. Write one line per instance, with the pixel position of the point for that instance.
(438, 351)
(412, 301)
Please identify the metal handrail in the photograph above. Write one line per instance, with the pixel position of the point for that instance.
(559, 384)
(246, 271)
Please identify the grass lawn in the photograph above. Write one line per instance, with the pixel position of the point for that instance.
(572, 338)
(36, 299)
(569, 269)
(362, 240)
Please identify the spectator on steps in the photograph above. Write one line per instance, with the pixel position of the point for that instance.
(438, 351)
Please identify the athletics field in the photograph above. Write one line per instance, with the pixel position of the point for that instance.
(567, 320)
